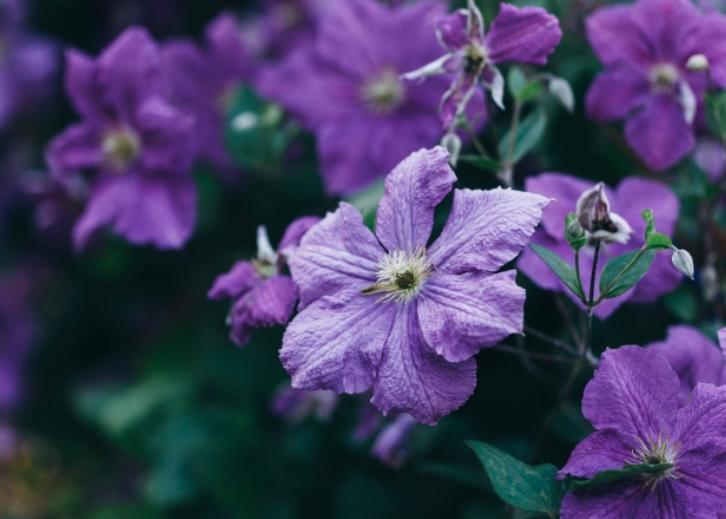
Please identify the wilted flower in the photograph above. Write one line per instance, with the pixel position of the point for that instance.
(633, 403)
(646, 49)
(263, 295)
(624, 206)
(138, 145)
(391, 445)
(522, 35)
(294, 405)
(385, 312)
(694, 357)
(347, 88)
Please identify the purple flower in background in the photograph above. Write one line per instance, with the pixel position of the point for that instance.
(631, 197)
(694, 357)
(710, 156)
(654, 53)
(387, 312)
(722, 341)
(347, 88)
(521, 35)
(27, 64)
(294, 405)
(392, 443)
(139, 146)
(203, 80)
(262, 294)
(632, 402)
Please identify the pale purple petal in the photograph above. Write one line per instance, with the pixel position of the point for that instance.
(659, 133)
(84, 87)
(616, 92)
(413, 190)
(77, 148)
(144, 210)
(452, 30)
(620, 397)
(411, 378)
(391, 445)
(524, 35)
(616, 36)
(457, 97)
(722, 341)
(601, 450)
(634, 194)
(486, 229)
(336, 342)
(564, 190)
(711, 41)
(295, 232)
(241, 277)
(661, 279)
(710, 156)
(461, 314)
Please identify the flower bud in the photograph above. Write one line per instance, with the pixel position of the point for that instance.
(562, 91)
(452, 143)
(594, 215)
(698, 63)
(683, 262)
(574, 233)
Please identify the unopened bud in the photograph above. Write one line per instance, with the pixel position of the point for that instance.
(452, 143)
(574, 233)
(593, 214)
(683, 262)
(698, 63)
(562, 91)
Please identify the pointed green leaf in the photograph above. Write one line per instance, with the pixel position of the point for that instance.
(607, 477)
(622, 272)
(562, 270)
(574, 233)
(529, 133)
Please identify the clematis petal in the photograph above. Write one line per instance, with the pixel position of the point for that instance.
(76, 149)
(659, 133)
(722, 341)
(461, 314)
(413, 190)
(452, 30)
(295, 232)
(616, 36)
(486, 229)
(456, 98)
(84, 88)
(144, 210)
(240, 278)
(601, 450)
(338, 253)
(709, 39)
(619, 397)
(616, 92)
(564, 190)
(703, 423)
(336, 342)
(634, 194)
(411, 378)
(524, 35)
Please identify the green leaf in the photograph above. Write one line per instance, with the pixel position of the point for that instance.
(622, 272)
(659, 240)
(562, 270)
(481, 162)
(574, 233)
(716, 113)
(529, 133)
(607, 477)
(516, 81)
(649, 220)
(533, 489)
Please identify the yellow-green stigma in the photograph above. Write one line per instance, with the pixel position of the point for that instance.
(121, 148)
(384, 93)
(664, 77)
(401, 276)
(475, 59)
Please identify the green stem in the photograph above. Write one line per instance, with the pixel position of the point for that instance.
(579, 277)
(475, 141)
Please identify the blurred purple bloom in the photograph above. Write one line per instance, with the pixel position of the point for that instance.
(27, 64)
(347, 88)
(262, 295)
(385, 312)
(628, 201)
(294, 405)
(710, 156)
(203, 80)
(16, 337)
(521, 35)
(645, 49)
(722, 341)
(391, 445)
(632, 402)
(140, 146)
(694, 358)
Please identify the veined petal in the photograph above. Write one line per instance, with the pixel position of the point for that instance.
(413, 190)
(167, 138)
(76, 149)
(722, 341)
(461, 314)
(703, 422)
(239, 279)
(616, 92)
(486, 229)
(84, 88)
(411, 378)
(601, 450)
(564, 190)
(456, 98)
(452, 30)
(295, 232)
(524, 35)
(435, 68)
(339, 253)
(616, 36)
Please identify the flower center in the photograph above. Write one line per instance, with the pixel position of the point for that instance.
(475, 59)
(664, 77)
(121, 148)
(658, 451)
(401, 275)
(384, 93)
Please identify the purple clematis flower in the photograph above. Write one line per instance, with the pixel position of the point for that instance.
(521, 35)
(203, 80)
(710, 156)
(658, 56)
(295, 405)
(390, 313)
(349, 93)
(262, 294)
(633, 404)
(631, 197)
(139, 146)
(392, 443)
(694, 357)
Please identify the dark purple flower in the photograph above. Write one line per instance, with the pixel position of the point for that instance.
(347, 88)
(521, 35)
(632, 402)
(649, 51)
(139, 146)
(391, 445)
(203, 80)
(631, 197)
(387, 312)
(694, 358)
(294, 405)
(262, 294)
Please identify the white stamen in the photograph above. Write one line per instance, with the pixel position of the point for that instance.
(401, 275)
(698, 63)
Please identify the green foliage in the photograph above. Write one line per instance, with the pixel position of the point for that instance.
(522, 89)
(562, 270)
(574, 233)
(622, 272)
(716, 114)
(529, 133)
